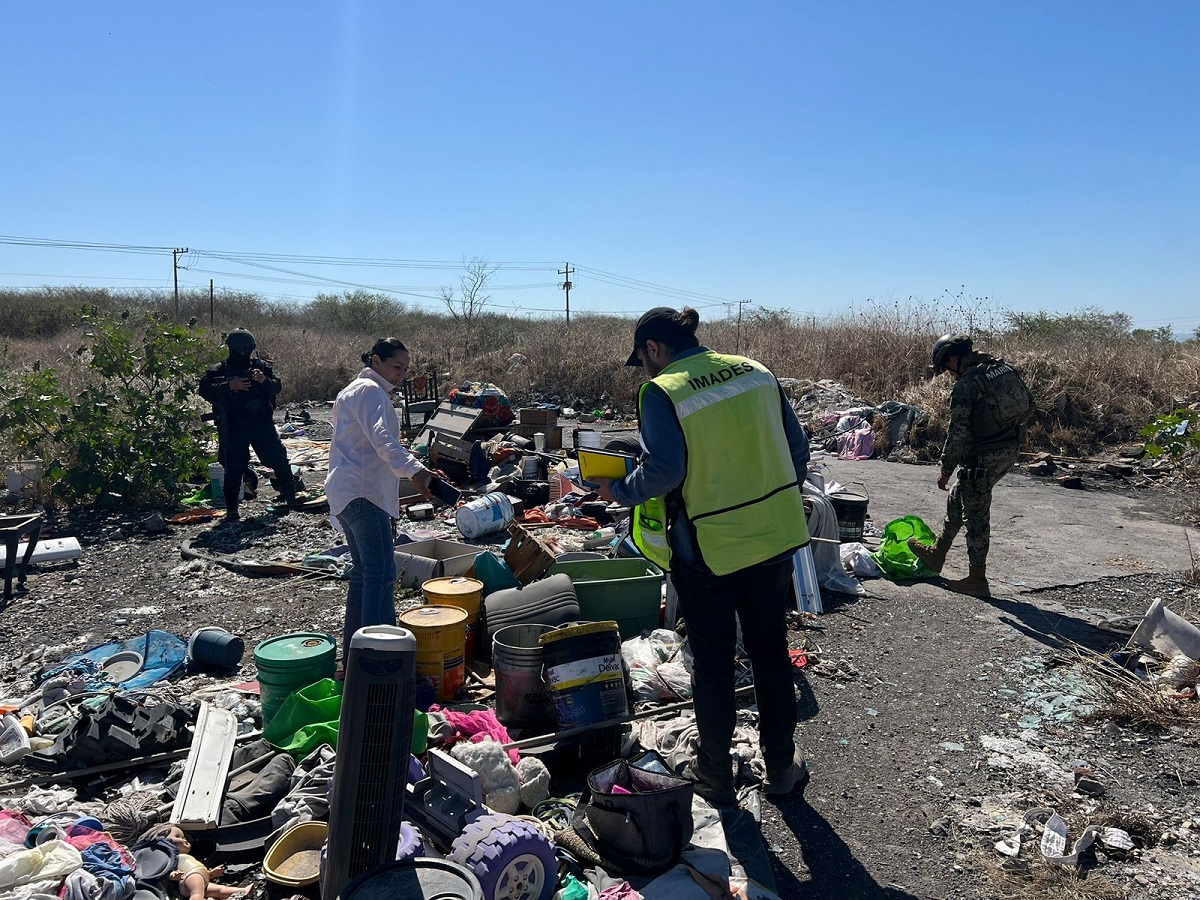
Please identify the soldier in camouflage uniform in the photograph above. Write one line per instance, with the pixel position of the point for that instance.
(988, 408)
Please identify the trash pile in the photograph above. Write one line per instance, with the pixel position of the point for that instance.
(542, 739)
(845, 424)
(1084, 726)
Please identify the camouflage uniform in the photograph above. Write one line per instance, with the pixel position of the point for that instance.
(981, 461)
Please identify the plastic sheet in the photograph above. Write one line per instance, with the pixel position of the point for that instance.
(660, 666)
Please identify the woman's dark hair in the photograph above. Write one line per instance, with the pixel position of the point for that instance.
(384, 348)
(679, 333)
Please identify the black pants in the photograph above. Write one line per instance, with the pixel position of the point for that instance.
(759, 597)
(260, 434)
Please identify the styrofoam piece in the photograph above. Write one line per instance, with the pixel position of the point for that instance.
(48, 551)
(198, 803)
(1166, 632)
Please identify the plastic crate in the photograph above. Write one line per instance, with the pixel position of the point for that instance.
(628, 591)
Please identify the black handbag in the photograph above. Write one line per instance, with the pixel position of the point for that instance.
(643, 831)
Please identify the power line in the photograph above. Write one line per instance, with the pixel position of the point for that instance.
(651, 287)
(263, 260)
(81, 245)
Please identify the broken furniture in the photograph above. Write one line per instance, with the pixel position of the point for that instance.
(445, 432)
(12, 529)
(528, 556)
(420, 395)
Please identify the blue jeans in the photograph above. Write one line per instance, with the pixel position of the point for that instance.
(372, 599)
(759, 597)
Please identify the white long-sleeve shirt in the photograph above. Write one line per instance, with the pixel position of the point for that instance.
(366, 458)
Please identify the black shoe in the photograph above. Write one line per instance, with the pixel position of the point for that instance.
(716, 794)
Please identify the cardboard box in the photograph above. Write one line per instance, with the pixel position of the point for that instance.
(419, 561)
(553, 433)
(532, 415)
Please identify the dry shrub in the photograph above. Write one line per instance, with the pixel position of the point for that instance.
(1095, 383)
(1045, 880)
(1120, 696)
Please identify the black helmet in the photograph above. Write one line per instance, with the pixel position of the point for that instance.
(947, 346)
(240, 341)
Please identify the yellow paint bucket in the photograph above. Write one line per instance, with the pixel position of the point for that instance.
(441, 632)
(466, 594)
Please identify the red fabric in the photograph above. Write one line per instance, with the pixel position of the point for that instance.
(583, 523)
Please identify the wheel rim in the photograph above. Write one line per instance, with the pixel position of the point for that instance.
(522, 879)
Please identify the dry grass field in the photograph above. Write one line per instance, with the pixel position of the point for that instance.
(1097, 380)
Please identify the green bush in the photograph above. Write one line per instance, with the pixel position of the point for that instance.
(131, 434)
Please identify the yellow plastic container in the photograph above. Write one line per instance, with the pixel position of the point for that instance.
(466, 594)
(295, 859)
(441, 633)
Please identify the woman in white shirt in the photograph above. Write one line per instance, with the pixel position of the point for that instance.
(366, 463)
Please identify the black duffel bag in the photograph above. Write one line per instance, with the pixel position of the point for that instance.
(643, 831)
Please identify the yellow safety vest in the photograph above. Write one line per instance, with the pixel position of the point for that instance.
(740, 493)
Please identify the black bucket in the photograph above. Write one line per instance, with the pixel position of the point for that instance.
(215, 648)
(851, 510)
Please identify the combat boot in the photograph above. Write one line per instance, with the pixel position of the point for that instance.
(933, 557)
(975, 584)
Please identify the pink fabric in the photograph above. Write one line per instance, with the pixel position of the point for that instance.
(623, 891)
(857, 444)
(477, 725)
(81, 837)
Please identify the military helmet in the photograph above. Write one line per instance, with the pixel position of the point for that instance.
(947, 346)
(240, 341)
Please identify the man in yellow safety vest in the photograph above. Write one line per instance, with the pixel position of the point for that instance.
(716, 501)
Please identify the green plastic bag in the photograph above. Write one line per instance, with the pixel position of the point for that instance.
(572, 889)
(309, 718)
(894, 556)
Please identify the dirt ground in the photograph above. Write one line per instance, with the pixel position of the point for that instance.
(913, 721)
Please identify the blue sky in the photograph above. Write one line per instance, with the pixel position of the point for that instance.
(801, 155)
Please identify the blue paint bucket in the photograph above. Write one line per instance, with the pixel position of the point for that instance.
(585, 673)
(215, 648)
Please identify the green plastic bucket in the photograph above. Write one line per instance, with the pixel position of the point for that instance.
(290, 662)
(628, 591)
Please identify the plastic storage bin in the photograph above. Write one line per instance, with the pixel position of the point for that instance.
(628, 591)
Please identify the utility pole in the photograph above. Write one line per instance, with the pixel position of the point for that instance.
(175, 270)
(212, 305)
(567, 272)
(738, 344)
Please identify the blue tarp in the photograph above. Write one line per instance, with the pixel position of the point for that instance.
(163, 652)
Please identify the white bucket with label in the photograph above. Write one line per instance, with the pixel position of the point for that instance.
(484, 515)
(24, 475)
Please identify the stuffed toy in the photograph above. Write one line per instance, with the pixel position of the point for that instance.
(506, 788)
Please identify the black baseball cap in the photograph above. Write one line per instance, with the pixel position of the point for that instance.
(657, 324)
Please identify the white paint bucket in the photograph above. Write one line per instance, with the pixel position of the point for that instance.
(484, 515)
(24, 475)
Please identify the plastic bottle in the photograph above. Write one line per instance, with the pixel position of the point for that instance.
(601, 538)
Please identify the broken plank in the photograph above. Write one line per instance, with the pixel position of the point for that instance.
(198, 803)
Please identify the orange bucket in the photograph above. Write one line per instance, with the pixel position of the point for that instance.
(441, 633)
(466, 594)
